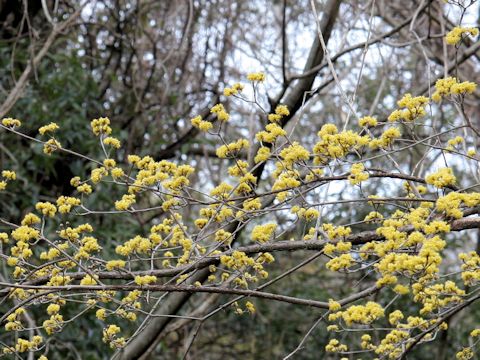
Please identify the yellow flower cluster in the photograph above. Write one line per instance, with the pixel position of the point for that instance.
(465, 354)
(101, 314)
(201, 124)
(98, 174)
(7, 175)
(248, 206)
(52, 253)
(442, 178)
(84, 189)
(246, 184)
(150, 173)
(307, 214)
(115, 264)
(314, 174)
(4, 238)
(218, 214)
(24, 345)
(222, 191)
(470, 267)
(223, 236)
(129, 315)
(336, 232)
(46, 208)
(395, 317)
(258, 76)
(125, 203)
(111, 141)
(110, 337)
(413, 108)
(220, 112)
(391, 344)
(270, 134)
(455, 35)
(450, 86)
(73, 234)
(101, 126)
(138, 244)
(131, 300)
(357, 174)
(367, 121)
(145, 280)
(89, 280)
(239, 261)
(50, 146)
(263, 154)
(53, 309)
(333, 305)
(341, 262)
(13, 320)
(109, 164)
(373, 216)
(335, 346)
(335, 145)
(50, 128)
(11, 123)
(250, 307)
(54, 324)
(386, 139)
(341, 247)
(117, 173)
(88, 245)
(232, 149)
(287, 180)
(59, 280)
(359, 314)
(457, 140)
(438, 296)
(263, 233)
(280, 112)
(22, 235)
(234, 90)
(366, 342)
(293, 154)
(425, 263)
(239, 169)
(65, 204)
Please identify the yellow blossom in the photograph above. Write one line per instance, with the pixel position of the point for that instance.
(258, 76)
(52, 127)
(10, 122)
(367, 121)
(101, 126)
(220, 112)
(455, 35)
(201, 124)
(46, 208)
(113, 142)
(263, 154)
(442, 178)
(145, 280)
(50, 146)
(115, 264)
(263, 233)
(9, 175)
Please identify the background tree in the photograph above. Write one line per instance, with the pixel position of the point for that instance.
(152, 66)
